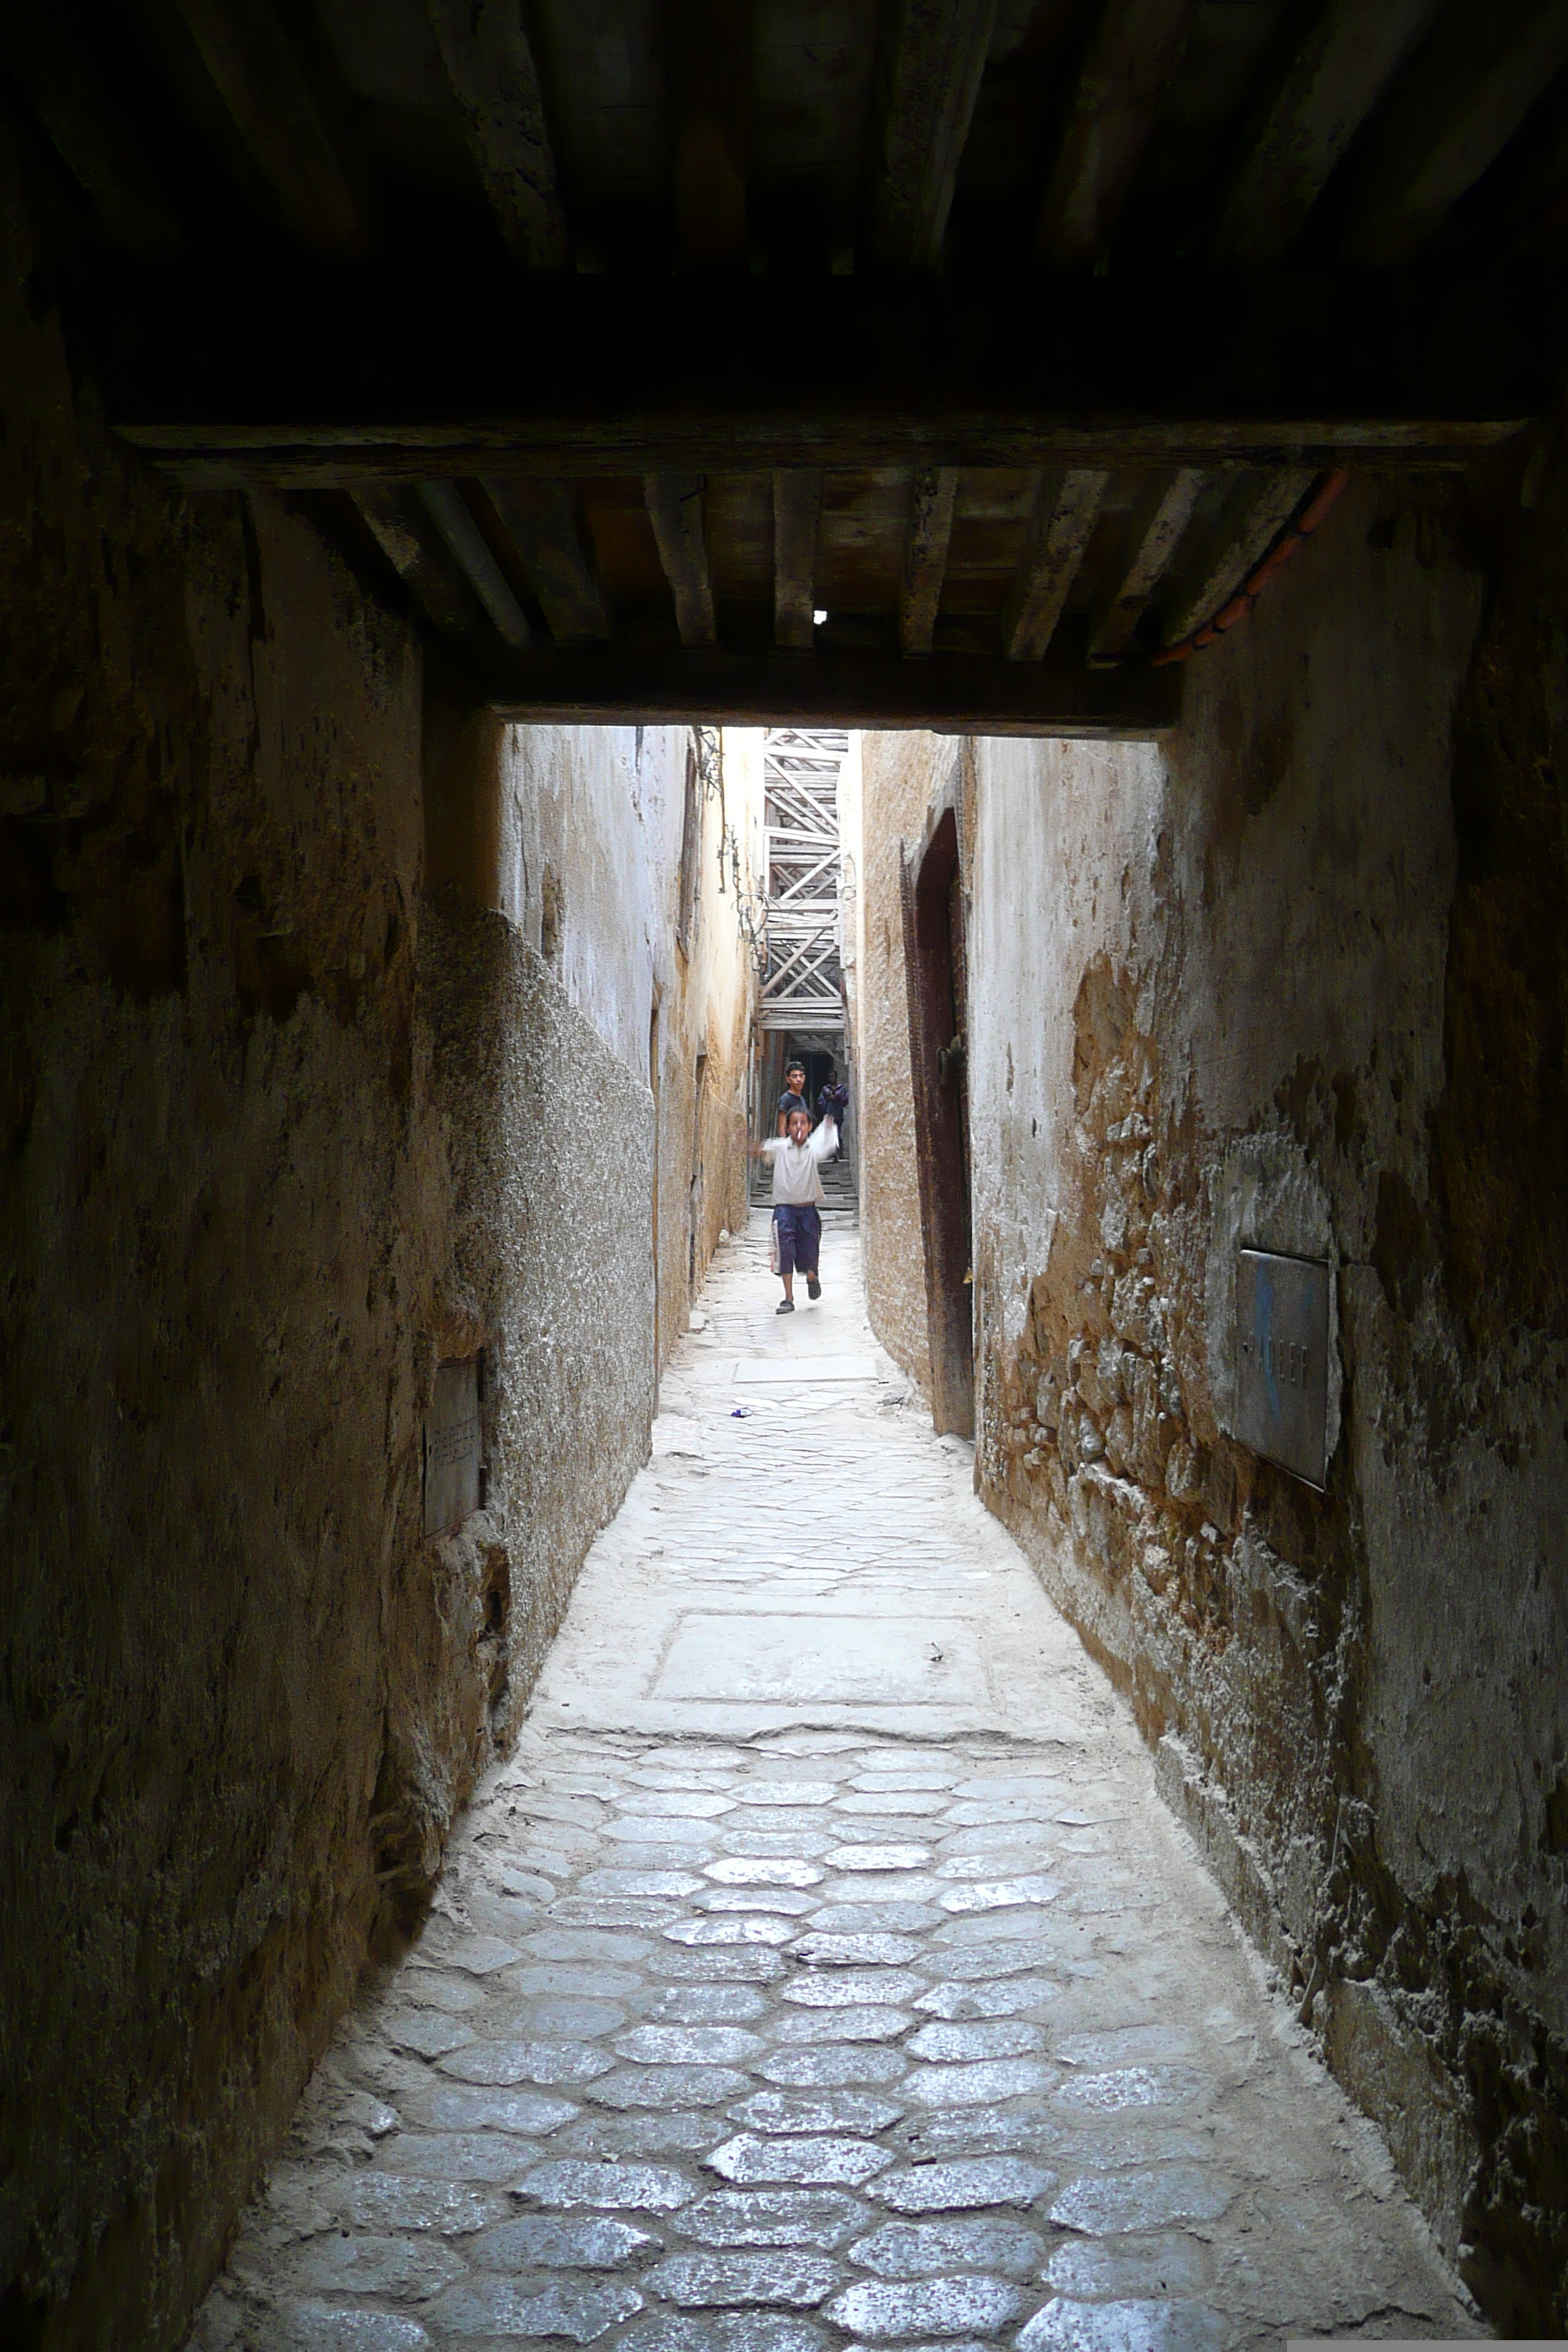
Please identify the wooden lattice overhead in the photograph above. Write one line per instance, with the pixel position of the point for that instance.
(803, 982)
(944, 361)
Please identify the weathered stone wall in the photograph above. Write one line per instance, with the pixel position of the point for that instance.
(902, 776)
(1301, 985)
(705, 989)
(288, 1114)
(545, 1177)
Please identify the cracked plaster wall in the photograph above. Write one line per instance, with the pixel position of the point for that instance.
(1298, 980)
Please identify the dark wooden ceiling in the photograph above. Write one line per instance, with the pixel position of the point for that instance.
(858, 359)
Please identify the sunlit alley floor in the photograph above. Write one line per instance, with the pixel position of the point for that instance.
(822, 1970)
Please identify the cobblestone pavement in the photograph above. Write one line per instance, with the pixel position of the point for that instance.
(822, 1970)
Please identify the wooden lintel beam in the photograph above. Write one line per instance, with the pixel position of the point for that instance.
(675, 509)
(402, 530)
(935, 488)
(1250, 521)
(254, 68)
(709, 52)
(1065, 515)
(1324, 95)
(1153, 537)
(536, 513)
(936, 52)
(485, 48)
(950, 693)
(797, 502)
(335, 379)
(1125, 74)
(467, 545)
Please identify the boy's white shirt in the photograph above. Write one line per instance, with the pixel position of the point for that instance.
(796, 1184)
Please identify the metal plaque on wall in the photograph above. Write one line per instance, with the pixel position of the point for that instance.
(1282, 1361)
(452, 1447)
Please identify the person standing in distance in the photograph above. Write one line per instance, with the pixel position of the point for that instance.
(794, 1093)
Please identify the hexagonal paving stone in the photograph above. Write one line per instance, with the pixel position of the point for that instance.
(709, 2004)
(365, 2263)
(996, 2038)
(825, 2218)
(498, 2307)
(761, 1870)
(740, 2278)
(328, 2327)
(808, 2162)
(820, 2111)
(881, 2311)
(1134, 2326)
(644, 2187)
(394, 2201)
(852, 1987)
(667, 2086)
(848, 2021)
(880, 1857)
(556, 2242)
(503, 2062)
(987, 2079)
(763, 1927)
(1142, 2201)
(855, 1952)
(978, 2242)
(450, 2108)
(1003, 1998)
(831, 2065)
(971, 2182)
(747, 2331)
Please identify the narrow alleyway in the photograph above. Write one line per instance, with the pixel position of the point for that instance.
(822, 1968)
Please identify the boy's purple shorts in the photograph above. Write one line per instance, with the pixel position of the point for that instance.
(800, 1238)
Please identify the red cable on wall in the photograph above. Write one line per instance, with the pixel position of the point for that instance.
(1300, 527)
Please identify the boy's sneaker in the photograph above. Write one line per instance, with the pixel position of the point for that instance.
(812, 1287)
(785, 1306)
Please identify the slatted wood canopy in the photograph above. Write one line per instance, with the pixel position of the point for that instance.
(803, 980)
(867, 361)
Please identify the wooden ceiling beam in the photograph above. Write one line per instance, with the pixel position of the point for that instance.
(1153, 533)
(485, 48)
(797, 505)
(1449, 119)
(536, 513)
(402, 530)
(934, 54)
(365, 376)
(1325, 94)
(75, 94)
(934, 491)
(1065, 515)
(674, 502)
(708, 49)
(1250, 521)
(470, 550)
(952, 693)
(268, 94)
(1125, 75)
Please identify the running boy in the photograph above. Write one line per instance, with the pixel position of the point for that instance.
(797, 1199)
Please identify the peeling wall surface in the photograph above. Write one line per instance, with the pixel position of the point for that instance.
(1298, 984)
(291, 1111)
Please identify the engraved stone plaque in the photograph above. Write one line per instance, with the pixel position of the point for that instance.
(452, 1447)
(1282, 1361)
